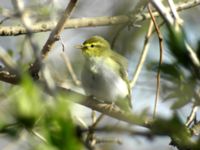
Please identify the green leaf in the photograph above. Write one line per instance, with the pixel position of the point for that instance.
(176, 44)
(174, 128)
(172, 70)
(27, 102)
(58, 126)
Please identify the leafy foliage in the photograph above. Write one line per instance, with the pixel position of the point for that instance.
(181, 77)
(58, 126)
(35, 112)
(174, 128)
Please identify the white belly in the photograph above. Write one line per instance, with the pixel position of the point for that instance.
(102, 82)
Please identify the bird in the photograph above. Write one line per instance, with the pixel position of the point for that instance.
(104, 74)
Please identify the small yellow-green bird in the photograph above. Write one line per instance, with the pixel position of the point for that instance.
(104, 74)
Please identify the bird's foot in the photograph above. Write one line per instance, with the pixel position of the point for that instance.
(110, 107)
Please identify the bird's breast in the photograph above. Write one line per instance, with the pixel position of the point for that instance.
(102, 81)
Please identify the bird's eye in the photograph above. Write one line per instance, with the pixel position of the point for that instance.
(92, 45)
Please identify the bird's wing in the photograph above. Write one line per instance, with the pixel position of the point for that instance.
(122, 61)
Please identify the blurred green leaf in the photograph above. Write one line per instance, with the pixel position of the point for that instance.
(176, 44)
(174, 128)
(27, 101)
(31, 109)
(58, 126)
(180, 77)
(171, 72)
(12, 130)
(10, 52)
(182, 92)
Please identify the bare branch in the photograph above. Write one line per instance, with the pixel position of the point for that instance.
(89, 22)
(54, 36)
(143, 55)
(160, 38)
(38, 136)
(192, 115)
(117, 113)
(7, 76)
(6, 59)
(174, 12)
(69, 65)
(163, 11)
(176, 24)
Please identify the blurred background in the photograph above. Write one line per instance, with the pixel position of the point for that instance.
(128, 42)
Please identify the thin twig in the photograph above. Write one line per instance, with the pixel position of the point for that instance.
(163, 11)
(69, 65)
(194, 58)
(192, 115)
(110, 140)
(81, 121)
(97, 120)
(160, 38)
(93, 116)
(172, 7)
(3, 20)
(6, 59)
(165, 14)
(143, 56)
(172, 22)
(39, 136)
(91, 138)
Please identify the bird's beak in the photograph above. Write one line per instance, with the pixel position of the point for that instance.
(79, 46)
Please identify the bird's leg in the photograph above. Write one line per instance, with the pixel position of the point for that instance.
(110, 106)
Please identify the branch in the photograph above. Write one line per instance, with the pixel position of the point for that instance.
(8, 77)
(89, 22)
(69, 65)
(87, 101)
(54, 36)
(160, 38)
(117, 113)
(123, 130)
(173, 21)
(192, 116)
(9, 73)
(143, 55)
